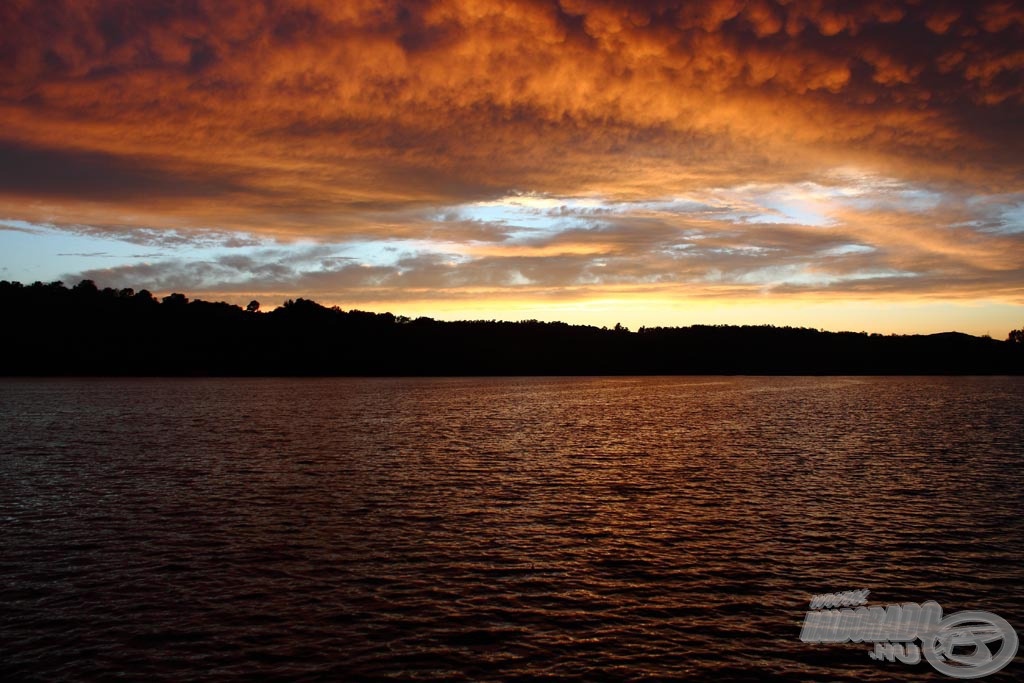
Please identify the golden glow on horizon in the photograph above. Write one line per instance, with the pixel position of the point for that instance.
(905, 316)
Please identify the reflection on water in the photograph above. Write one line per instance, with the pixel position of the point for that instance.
(468, 529)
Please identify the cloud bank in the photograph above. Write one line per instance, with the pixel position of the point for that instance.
(466, 148)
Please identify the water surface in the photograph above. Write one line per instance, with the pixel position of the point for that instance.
(494, 529)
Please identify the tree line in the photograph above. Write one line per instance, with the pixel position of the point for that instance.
(83, 330)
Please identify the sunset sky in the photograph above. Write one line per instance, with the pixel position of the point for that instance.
(841, 165)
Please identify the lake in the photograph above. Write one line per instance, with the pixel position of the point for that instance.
(668, 528)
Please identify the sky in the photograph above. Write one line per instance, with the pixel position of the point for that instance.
(821, 163)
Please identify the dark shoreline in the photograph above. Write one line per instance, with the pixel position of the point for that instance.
(54, 331)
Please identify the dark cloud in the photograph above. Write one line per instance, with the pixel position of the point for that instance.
(165, 238)
(31, 171)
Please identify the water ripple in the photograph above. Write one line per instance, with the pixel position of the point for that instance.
(494, 529)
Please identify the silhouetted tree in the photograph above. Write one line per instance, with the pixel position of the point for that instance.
(126, 332)
(253, 307)
(86, 287)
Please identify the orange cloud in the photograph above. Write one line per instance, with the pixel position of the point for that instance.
(375, 95)
(363, 120)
